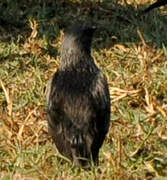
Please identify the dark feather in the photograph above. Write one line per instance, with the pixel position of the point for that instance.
(78, 101)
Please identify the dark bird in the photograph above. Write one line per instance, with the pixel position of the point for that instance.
(155, 5)
(78, 100)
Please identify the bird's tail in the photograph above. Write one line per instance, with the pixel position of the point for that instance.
(80, 149)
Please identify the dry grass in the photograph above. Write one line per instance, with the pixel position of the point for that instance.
(132, 51)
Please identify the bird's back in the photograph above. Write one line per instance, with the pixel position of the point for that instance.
(78, 101)
(72, 114)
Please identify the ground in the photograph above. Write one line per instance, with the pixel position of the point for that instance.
(130, 48)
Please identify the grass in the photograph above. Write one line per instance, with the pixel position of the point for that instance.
(132, 52)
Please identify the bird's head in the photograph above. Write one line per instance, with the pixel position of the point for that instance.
(78, 38)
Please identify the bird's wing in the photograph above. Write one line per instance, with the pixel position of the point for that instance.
(101, 103)
(54, 100)
(55, 117)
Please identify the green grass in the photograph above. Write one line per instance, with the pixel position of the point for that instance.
(131, 50)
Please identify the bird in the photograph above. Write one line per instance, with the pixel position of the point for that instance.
(155, 5)
(78, 99)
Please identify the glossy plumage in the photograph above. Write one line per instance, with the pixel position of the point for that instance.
(78, 101)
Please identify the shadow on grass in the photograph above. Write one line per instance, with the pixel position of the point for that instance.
(119, 23)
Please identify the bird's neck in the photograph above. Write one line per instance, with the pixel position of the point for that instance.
(77, 59)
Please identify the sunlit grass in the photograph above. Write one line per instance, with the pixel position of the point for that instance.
(131, 50)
